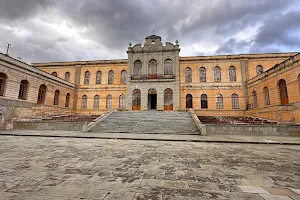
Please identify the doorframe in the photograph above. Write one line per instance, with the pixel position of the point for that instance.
(151, 92)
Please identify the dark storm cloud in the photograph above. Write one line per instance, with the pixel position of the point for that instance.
(279, 32)
(232, 46)
(50, 30)
(282, 29)
(116, 22)
(22, 9)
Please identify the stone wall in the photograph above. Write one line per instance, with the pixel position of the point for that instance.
(259, 130)
(63, 126)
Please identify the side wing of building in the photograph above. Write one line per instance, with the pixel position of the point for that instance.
(26, 92)
(217, 85)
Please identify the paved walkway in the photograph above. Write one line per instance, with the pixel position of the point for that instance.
(52, 168)
(159, 137)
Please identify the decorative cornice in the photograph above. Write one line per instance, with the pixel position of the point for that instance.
(291, 62)
(237, 56)
(7, 60)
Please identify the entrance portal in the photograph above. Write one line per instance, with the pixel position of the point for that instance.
(152, 99)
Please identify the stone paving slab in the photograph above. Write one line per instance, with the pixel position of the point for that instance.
(64, 168)
(159, 137)
(275, 197)
(253, 189)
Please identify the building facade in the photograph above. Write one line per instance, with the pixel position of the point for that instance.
(155, 77)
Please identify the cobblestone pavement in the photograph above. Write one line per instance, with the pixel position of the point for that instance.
(37, 168)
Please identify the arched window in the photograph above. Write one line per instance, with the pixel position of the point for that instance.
(84, 101)
(111, 77)
(122, 102)
(96, 101)
(98, 77)
(136, 99)
(67, 100)
(299, 82)
(255, 105)
(219, 101)
(188, 75)
(235, 101)
(217, 74)
(283, 92)
(202, 74)
(168, 99)
(56, 97)
(109, 101)
(67, 76)
(137, 70)
(232, 74)
(189, 101)
(3, 78)
(168, 67)
(87, 78)
(204, 102)
(267, 96)
(259, 69)
(42, 94)
(123, 76)
(152, 69)
(54, 74)
(23, 89)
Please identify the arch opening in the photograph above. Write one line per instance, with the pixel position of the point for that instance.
(152, 99)
(3, 78)
(67, 102)
(168, 99)
(283, 92)
(204, 101)
(42, 94)
(122, 101)
(136, 99)
(23, 90)
(152, 69)
(189, 101)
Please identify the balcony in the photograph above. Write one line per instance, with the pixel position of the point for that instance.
(153, 77)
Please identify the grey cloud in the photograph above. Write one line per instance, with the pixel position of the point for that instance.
(109, 25)
(282, 29)
(233, 46)
(22, 9)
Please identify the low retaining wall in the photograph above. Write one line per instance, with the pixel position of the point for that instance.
(63, 126)
(259, 130)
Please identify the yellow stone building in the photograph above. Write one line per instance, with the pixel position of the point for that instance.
(155, 77)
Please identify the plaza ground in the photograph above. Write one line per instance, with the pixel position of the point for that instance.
(67, 168)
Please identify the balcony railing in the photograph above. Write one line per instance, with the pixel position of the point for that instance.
(152, 76)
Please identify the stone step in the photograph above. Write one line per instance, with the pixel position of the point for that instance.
(152, 122)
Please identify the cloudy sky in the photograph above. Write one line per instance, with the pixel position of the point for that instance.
(68, 30)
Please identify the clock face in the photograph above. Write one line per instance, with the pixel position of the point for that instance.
(153, 42)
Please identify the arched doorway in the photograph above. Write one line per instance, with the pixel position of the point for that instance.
(189, 101)
(136, 99)
(168, 99)
(283, 92)
(152, 99)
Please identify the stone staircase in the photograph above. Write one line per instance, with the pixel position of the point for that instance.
(148, 122)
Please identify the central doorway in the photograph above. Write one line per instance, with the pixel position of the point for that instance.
(152, 99)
